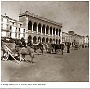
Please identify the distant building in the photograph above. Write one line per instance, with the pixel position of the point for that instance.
(65, 37)
(73, 38)
(86, 41)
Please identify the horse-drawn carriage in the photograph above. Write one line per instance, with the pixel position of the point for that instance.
(16, 51)
(53, 48)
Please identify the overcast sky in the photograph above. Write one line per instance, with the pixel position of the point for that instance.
(73, 15)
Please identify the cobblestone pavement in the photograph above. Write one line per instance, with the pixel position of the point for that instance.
(70, 67)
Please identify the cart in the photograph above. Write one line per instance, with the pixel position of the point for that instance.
(8, 50)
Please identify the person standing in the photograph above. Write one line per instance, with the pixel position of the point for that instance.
(68, 47)
(62, 47)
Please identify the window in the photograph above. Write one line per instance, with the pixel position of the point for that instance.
(20, 25)
(10, 34)
(24, 35)
(2, 19)
(10, 27)
(13, 23)
(19, 30)
(24, 30)
(7, 26)
(4, 26)
(15, 34)
(3, 33)
(19, 36)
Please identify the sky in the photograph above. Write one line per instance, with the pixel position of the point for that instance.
(74, 15)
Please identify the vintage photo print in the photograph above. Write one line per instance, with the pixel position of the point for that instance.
(44, 41)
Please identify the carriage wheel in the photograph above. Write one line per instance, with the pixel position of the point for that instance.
(6, 56)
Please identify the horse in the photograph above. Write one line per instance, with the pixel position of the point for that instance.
(38, 46)
(57, 47)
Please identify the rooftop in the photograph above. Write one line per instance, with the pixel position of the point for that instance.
(11, 19)
(27, 13)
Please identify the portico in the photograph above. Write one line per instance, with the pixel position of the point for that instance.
(41, 29)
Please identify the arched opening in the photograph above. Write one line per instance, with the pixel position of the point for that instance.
(43, 29)
(29, 25)
(47, 40)
(39, 39)
(59, 31)
(29, 40)
(43, 39)
(53, 41)
(34, 39)
(56, 41)
(50, 40)
(39, 27)
(47, 28)
(51, 30)
(34, 26)
(56, 31)
(59, 41)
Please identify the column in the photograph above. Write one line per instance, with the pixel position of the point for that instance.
(48, 31)
(41, 29)
(37, 29)
(32, 40)
(45, 30)
(55, 32)
(41, 40)
(32, 27)
(26, 37)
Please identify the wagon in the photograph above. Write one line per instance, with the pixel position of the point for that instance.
(8, 50)
(53, 48)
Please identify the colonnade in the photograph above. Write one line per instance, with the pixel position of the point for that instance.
(36, 39)
(44, 29)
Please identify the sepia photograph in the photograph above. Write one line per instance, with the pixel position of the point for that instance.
(44, 41)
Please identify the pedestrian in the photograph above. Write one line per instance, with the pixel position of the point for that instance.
(62, 47)
(68, 47)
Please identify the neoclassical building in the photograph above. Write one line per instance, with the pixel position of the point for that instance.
(39, 29)
(31, 27)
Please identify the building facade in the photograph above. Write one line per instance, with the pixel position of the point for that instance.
(11, 28)
(86, 41)
(31, 27)
(73, 38)
(41, 29)
(38, 29)
(65, 37)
